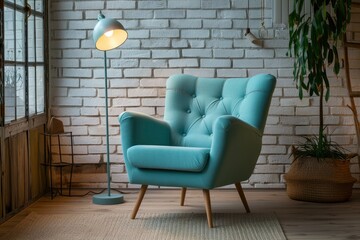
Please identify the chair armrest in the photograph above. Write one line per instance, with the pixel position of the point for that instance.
(234, 151)
(225, 123)
(141, 129)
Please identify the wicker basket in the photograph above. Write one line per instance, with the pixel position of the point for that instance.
(327, 180)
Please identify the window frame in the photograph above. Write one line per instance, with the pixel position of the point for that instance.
(26, 63)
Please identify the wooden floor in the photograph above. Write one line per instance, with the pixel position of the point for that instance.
(300, 220)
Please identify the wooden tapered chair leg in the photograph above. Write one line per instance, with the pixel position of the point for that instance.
(138, 201)
(206, 194)
(183, 193)
(242, 196)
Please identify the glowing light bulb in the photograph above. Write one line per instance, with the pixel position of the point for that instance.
(109, 33)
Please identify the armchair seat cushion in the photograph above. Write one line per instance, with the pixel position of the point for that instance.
(189, 159)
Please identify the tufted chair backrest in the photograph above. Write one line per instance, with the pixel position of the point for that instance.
(193, 104)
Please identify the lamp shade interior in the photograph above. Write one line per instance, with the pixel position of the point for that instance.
(109, 34)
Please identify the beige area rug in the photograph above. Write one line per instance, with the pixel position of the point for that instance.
(147, 226)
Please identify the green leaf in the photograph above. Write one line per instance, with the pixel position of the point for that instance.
(299, 6)
(313, 43)
(336, 67)
(320, 147)
(323, 9)
(336, 59)
(327, 85)
(330, 56)
(331, 24)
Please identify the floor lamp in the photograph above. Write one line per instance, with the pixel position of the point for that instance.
(108, 34)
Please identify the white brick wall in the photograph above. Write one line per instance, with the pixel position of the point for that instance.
(199, 37)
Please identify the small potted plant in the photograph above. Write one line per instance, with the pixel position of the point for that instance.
(320, 171)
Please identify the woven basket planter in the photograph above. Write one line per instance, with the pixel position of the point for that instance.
(327, 180)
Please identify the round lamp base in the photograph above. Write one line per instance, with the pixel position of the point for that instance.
(106, 199)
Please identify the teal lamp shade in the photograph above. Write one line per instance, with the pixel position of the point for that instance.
(108, 33)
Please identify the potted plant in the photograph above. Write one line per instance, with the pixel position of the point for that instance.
(320, 171)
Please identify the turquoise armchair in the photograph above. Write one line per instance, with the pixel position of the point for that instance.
(211, 135)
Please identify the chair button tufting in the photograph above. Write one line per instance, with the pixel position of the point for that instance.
(194, 96)
(188, 111)
(203, 116)
(221, 98)
(184, 134)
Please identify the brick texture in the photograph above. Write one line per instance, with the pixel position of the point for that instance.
(199, 37)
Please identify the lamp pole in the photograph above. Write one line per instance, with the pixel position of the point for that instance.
(107, 128)
(108, 34)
